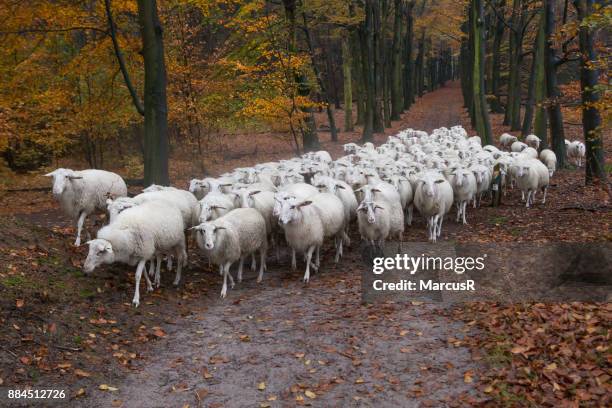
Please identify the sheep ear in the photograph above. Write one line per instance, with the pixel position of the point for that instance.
(254, 192)
(50, 174)
(439, 181)
(341, 187)
(305, 203)
(225, 185)
(378, 206)
(219, 228)
(375, 190)
(75, 177)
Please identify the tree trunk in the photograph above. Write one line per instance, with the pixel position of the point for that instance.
(348, 88)
(481, 111)
(377, 50)
(322, 86)
(420, 65)
(528, 118)
(408, 62)
(589, 78)
(367, 66)
(539, 124)
(155, 103)
(496, 62)
(396, 66)
(310, 138)
(557, 134)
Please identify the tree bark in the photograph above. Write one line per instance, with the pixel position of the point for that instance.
(557, 134)
(310, 138)
(396, 66)
(155, 102)
(408, 62)
(481, 111)
(539, 124)
(348, 84)
(500, 28)
(591, 118)
(367, 65)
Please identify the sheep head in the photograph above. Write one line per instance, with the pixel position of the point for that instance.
(100, 252)
(62, 179)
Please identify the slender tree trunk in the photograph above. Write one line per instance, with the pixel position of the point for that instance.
(310, 138)
(396, 84)
(155, 103)
(528, 118)
(557, 133)
(539, 124)
(366, 37)
(408, 62)
(496, 106)
(321, 81)
(591, 118)
(348, 82)
(377, 50)
(358, 79)
(481, 111)
(420, 65)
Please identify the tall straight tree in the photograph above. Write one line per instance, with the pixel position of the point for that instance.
(498, 36)
(408, 62)
(155, 106)
(347, 62)
(397, 98)
(481, 110)
(366, 41)
(155, 101)
(555, 118)
(310, 138)
(589, 77)
(540, 121)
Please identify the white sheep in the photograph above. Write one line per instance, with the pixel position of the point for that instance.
(404, 188)
(518, 147)
(506, 140)
(483, 177)
(346, 194)
(386, 193)
(214, 205)
(308, 222)
(136, 236)
(80, 193)
(374, 223)
(533, 141)
(464, 187)
(576, 151)
(531, 175)
(433, 198)
(549, 158)
(231, 238)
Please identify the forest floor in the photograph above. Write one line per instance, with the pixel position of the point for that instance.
(284, 343)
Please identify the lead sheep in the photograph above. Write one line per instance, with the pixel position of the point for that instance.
(136, 236)
(81, 193)
(433, 198)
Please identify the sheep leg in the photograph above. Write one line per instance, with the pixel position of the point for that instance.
(152, 268)
(545, 189)
(240, 262)
(464, 205)
(225, 269)
(158, 270)
(522, 195)
(262, 264)
(318, 259)
(528, 198)
(147, 279)
(179, 267)
(410, 210)
(440, 225)
(293, 262)
(345, 236)
(337, 244)
(459, 210)
(80, 223)
(139, 269)
(253, 262)
(308, 259)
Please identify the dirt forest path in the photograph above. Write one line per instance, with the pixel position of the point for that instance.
(282, 343)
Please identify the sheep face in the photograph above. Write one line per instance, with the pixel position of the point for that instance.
(209, 233)
(522, 171)
(246, 197)
(428, 185)
(100, 252)
(201, 186)
(291, 211)
(61, 180)
(279, 200)
(370, 208)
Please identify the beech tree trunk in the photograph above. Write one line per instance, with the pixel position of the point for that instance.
(591, 118)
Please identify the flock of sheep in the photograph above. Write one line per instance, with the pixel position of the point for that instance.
(302, 201)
